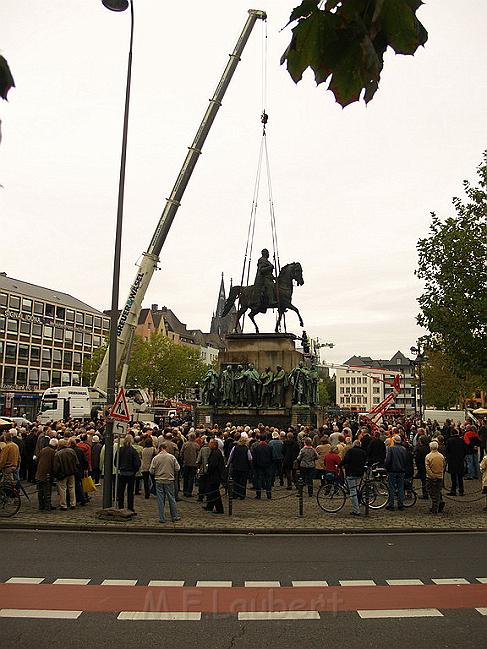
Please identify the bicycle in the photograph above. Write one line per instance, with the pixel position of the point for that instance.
(410, 495)
(372, 490)
(9, 499)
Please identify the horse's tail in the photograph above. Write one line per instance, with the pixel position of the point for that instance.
(234, 293)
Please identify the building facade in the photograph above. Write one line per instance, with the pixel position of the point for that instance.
(45, 335)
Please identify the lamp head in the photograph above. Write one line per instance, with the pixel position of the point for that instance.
(115, 5)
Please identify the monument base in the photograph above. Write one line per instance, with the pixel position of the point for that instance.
(297, 416)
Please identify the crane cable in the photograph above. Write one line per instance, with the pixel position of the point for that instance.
(263, 160)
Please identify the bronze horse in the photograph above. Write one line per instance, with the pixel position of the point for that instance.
(283, 292)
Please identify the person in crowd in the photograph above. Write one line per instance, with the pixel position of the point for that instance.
(239, 465)
(9, 458)
(202, 469)
(148, 453)
(290, 452)
(128, 465)
(215, 477)
(435, 467)
(472, 444)
(96, 447)
(420, 452)
(277, 447)
(332, 464)
(376, 450)
(262, 463)
(65, 466)
(81, 471)
(188, 457)
(396, 465)
(354, 465)
(455, 457)
(45, 475)
(306, 461)
(163, 470)
(323, 447)
(137, 446)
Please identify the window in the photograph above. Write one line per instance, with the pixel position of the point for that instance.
(46, 356)
(56, 355)
(359, 390)
(88, 339)
(21, 375)
(25, 328)
(97, 322)
(48, 332)
(3, 299)
(342, 380)
(89, 320)
(68, 360)
(398, 361)
(10, 352)
(66, 378)
(56, 377)
(79, 318)
(58, 333)
(353, 379)
(69, 315)
(342, 390)
(68, 335)
(35, 353)
(45, 378)
(376, 390)
(33, 377)
(15, 303)
(26, 305)
(38, 308)
(106, 323)
(49, 310)
(77, 359)
(60, 312)
(347, 380)
(365, 390)
(36, 330)
(12, 326)
(376, 399)
(78, 337)
(353, 390)
(23, 353)
(342, 399)
(2, 345)
(76, 378)
(2, 323)
(96, 341)
(9, 375)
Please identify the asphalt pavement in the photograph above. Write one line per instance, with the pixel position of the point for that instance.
(119, 590)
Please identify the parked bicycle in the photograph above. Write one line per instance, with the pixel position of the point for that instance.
(9, 498)
(410, 495)
(372, 490)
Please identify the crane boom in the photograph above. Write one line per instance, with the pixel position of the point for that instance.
(129, 316)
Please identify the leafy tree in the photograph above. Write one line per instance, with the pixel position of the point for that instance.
(91, 365)
(163, 367)
(327, 391)
(453, 267)
(344, 41)
(442, 388)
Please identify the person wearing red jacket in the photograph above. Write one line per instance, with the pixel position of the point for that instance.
(472, 443)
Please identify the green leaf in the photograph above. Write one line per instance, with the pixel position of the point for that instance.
(6, 78)
(403, 30)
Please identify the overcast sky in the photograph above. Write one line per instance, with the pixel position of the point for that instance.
(353, 189)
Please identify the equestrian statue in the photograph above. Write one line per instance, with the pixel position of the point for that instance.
(266, 292)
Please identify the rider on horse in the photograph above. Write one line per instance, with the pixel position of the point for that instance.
(264, 284)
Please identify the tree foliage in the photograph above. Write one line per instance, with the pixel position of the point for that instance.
(6, 78)
(163, 367)
(327, 391)
(344, 41)
(442, 388)
(91, 365)
(452, 264)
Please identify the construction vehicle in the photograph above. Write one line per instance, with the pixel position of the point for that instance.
(148, 263)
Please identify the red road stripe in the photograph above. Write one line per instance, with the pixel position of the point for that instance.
(232, 600)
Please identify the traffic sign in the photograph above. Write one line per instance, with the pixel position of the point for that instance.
(120, 409)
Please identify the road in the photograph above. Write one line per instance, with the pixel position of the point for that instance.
(132, 590)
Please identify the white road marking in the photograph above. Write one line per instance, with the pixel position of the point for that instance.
(482, 611)
(357, 582)
(119, 582)
(159, 582)
(213, 584)
(309, 583)
(440, 582)
(25, 580)
(406, 612)
(48, 615)
(405, 582)
(73, 582)
(159, 615)
(279, 615)
(482, 580)
(262, 584)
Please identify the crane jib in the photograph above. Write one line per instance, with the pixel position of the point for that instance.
(128, 305)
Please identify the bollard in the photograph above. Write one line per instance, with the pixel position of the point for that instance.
(300, 496)
(230, 495)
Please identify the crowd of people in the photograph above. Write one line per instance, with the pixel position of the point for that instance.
(179, 460)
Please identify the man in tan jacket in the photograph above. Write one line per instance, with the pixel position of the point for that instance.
(435, 467)
(9, 458)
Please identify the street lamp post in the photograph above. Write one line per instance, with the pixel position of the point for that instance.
(117, 5)
(419, 360)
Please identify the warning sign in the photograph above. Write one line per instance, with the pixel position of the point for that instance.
(120, 410)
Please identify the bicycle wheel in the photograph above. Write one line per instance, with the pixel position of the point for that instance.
(379, 494)
(331, 498)
(9, 501)
(410, 497)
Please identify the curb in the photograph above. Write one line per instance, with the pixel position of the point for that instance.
(125, 529)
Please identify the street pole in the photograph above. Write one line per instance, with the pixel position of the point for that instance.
(117, 5)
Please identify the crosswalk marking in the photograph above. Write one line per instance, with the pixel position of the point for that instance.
(25, 580)
(482, 580)
(213, 584)
(482, 611)
(299, 584)
(357, 582)
(162, 582)
(72, 582)
(405, 582)
(279, 615)
(119, 582)
(159, 615)
(262, 584)
(450, 582)
(406, 612)
(40, 614)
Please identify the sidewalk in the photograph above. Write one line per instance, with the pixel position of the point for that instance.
(279, 515)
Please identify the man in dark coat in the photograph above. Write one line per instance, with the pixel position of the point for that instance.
(45, 474)
(290, 452)
(420, 453)
(215, 475)
(376, 450)
(263, 466)
(455, 458)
